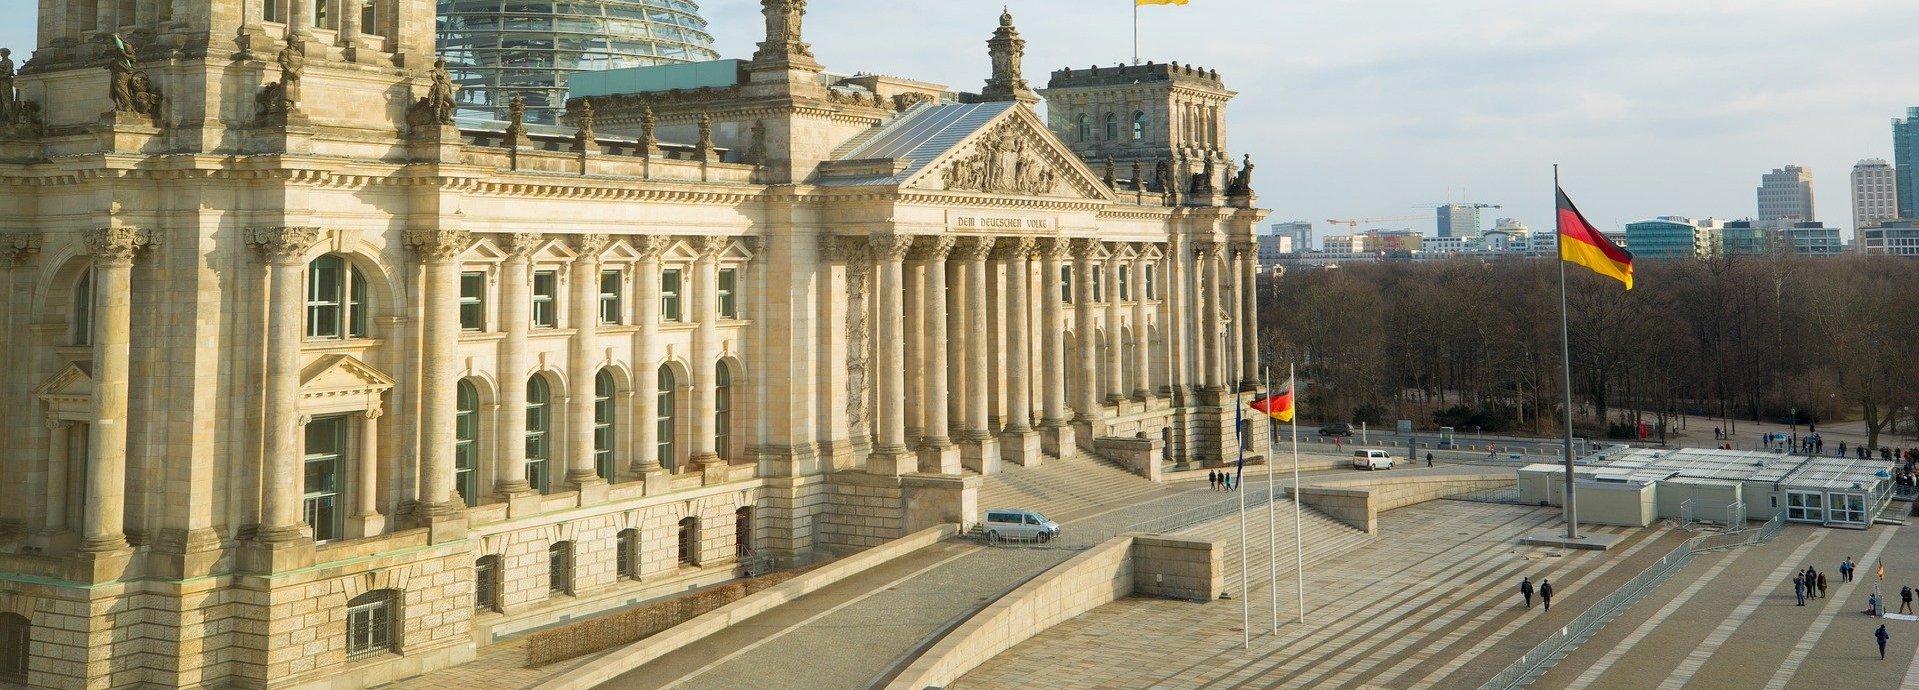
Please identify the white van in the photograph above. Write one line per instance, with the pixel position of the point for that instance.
(1372, 460)
(1009, 524)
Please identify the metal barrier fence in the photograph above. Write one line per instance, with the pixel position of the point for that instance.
(1541, 656)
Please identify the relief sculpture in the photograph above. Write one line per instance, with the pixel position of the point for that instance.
(1003, 162)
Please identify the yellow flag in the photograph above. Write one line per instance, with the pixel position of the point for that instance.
(1159, 2)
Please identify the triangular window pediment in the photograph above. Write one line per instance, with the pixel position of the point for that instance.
(341, 383)
(69, 394)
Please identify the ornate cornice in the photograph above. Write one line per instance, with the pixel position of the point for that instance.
(116, 245)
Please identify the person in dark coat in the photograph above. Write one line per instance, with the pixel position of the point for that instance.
(1822, 585)
(1546, 593)
(1881, 635)
(1212, 480)
(1799, 588)
(1905, 599)
(1526, 590)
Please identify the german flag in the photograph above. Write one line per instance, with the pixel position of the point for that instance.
(1583, 244)
(1278, 405)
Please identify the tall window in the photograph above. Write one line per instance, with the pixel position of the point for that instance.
(628, 555)
(743, 532)
(1099, 288)
(325, 470)
(546, 288)
(722, 406)
(690, 541)
(370, 18)
(729, 308)
(1085, 127)
(486, 583)
(466, 441)
(539, 416)
(322, 14)
(270, 11)
(1152, 291)
(664, 424)
(473, 301)
(1112, 127)
(1066, 284)
(16, 637)
(1139, 125)
(1125, 288)
(559, 568)
(336, 299)
(83, 308)
(603, 424)
(670, 294)
(610, 297)
(369, 623)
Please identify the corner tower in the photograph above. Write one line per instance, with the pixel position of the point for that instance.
(1143, 114)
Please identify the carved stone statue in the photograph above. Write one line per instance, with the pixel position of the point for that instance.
(1203, 180)
(515, 120)
(583, 135)
(1002, 162)
(8, 107)
(783, 19)
(1139, 183)
(706, 137)
(1243, 182)
(120, 71)
(1108, 177)
(647, 143)
(439, 96)
(756, 149)
(1007, 49)
(292, 67)
(1162, 177)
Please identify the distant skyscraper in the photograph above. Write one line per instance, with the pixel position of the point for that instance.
(1459, 220)
(1905, 156)
(1301, 232)
(1786, 193)
(1875, 193)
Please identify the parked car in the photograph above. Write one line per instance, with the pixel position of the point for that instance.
(1372, 460)
(1336, 429)
(1012, 524)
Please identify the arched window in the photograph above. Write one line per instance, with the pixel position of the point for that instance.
(1139, 125)
(1085, 127)
(1112, 127)
(466, 441)
(83, 308)
(539, 418)
(16, 636)
(722, 407)
(690, 541)
(603, 424)
(370, 623)
(336, 299)
(665, 420)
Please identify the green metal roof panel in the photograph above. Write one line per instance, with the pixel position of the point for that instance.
(691, 75)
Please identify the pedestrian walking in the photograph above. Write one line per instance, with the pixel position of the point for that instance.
(1526, 590)
(1881, 635)
(1429, 459)
(1812, 580)
(1905, 599)
(1822, 585)
(1799, 588)
(1212, 480)
(1546, 593)
(1845, 570)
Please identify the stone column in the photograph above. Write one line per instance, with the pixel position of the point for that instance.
(1142, 343)
(1248, 316)
(706, 355)
(890, 456)
(59, 455)
(1019, 442)
(1115, 339)
(1211, 308)
(440, 506)
(937, 453)
(299, 17)
(280, 504)
(581, 475)
(979, 447)
(349, 22)
(1176, 313)
(1087, 406)
(516, 318)
(646, 356)
(1056, 434)
(366, 520)
(914, 305)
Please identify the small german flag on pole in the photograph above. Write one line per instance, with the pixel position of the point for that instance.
(1583, 244)
(1278, 405)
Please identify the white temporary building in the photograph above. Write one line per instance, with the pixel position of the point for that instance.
(1638, 486)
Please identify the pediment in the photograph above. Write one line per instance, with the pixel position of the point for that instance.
(342, 381)
(1012, 154)
(72, 383)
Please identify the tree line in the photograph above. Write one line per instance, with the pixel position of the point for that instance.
(1468, 342)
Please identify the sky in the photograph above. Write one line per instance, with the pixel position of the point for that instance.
(1372, 108)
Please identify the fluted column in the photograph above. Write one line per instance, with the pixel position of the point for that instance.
(1019, 442)
(1211, 360)
(1248, 316)
(516, 318)
(1056, 434)
(913, 304)
(439, 367)
(938, 455)
(280, 502)
(1176, 313)
(890, 456)
(1115, 338)
(59, 456)
(1087, 405)
(646, 354)
(580, 472)
(706, 354)
(1142, 343)
(979, 446)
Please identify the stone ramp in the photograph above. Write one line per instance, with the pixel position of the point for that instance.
(1063, 489)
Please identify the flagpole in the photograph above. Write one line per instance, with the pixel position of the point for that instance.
(1299, 532)
(1135, 32)
(1272, 506)
(1239, 473)
(1566, 359)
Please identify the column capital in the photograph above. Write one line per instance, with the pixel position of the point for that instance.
(117, 245)
(845, 249)
(933, 248)
(57, 423)
(650, 247)
(973, 248)
(1209, 248)
(1243, 247)
(1056, 248)
(1085, 249)
(372, 412)
(16, 248)
(1014, 247)
(590, 245)
(520, 245)
(710, 246)
(439, 245)
(889, 248)
(282, 244)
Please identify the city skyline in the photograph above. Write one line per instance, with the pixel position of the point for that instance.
(1356, 112)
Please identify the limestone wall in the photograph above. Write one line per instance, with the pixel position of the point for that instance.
(1178, 568)
(1359, 502)
(862, 511)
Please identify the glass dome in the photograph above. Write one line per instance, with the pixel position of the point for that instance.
(497, 48)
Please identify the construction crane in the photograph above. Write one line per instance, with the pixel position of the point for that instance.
(1353, 224)
(1471, 205)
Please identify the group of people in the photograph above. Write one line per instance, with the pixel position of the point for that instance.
(1811, 584)
(1221, 480)
(1545, 591)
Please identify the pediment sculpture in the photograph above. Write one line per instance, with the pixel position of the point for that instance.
(1003, 161)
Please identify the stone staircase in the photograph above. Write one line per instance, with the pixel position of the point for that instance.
(1325, 537)
(1060, 488)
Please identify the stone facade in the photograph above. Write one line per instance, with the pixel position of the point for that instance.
(326, 389)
